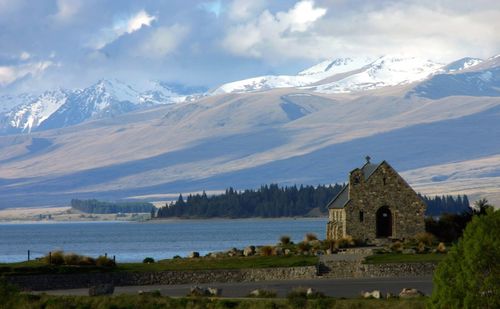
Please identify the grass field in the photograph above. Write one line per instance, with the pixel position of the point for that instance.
(404, 258)
(40, 267)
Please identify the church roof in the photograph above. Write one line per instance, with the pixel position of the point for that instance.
(342, 198)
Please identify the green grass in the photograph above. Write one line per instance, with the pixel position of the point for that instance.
(404, 258)
(40, 267)
(222, 263)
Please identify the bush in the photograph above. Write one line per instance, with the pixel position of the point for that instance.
(303, 247)
(297, 298)
(104, 261)
(55, 258)
(468, 275)
(266, 251)
(421, 248)
(263, 294)
(285, 240)
(87, 261)
(397, 246)
(310, 237)
(426, 238)
(441, 248)
(345, 242)
(72, 259)
(148, 260)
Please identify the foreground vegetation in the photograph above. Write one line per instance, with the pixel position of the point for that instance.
(469, 276)
(11, 298)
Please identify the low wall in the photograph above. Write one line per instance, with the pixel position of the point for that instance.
(73, 281)
(332, 269)
(356, 269)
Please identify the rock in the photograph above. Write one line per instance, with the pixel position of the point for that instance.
(409, 251)
(373, 294)
(329, 251)
(410, 293)
(200, 291)
(287, 252)
(278, 251)
(101, 289)
(249, 251)
(310, 291)
(255, 293)
(194, 254)
(214, 291)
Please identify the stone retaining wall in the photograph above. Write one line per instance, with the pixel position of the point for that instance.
(356, 269)
(73, 281)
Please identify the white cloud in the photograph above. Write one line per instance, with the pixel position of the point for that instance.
(163, 41)
(122, 27)
(9, 74)
(66, 9)
(268, 33)
(442, 30)
(241, 10)
(136, 22)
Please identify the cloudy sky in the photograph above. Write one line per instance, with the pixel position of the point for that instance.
(46, 44)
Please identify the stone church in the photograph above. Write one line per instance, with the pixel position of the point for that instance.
(377, 203)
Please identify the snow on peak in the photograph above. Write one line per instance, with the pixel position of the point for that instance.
(31, 114)
(389, 70)
(309, 76)
(462, 64)
(336, 66)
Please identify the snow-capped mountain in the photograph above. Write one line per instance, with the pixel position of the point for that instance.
(462, 64)
(441, 131)
(347, 75)
(383, 72)
(309, 76)
(480, 80)
(106, 98)
(31, 114)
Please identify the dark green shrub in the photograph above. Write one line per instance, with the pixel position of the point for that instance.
(297, 299)
(285, 240)
(468, 275)
(148, 260)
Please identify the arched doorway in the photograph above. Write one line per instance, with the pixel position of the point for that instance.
(384, 222)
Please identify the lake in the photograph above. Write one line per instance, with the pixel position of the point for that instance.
(133, 241)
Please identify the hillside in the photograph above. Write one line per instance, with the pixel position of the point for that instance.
(442, 144)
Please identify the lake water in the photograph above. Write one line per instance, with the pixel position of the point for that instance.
(132, 241)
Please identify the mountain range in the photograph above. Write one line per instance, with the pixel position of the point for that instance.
(437, 123)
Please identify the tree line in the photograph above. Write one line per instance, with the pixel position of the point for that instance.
(268, 201)
(100, 207)
(449, 204)
(272, 201)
